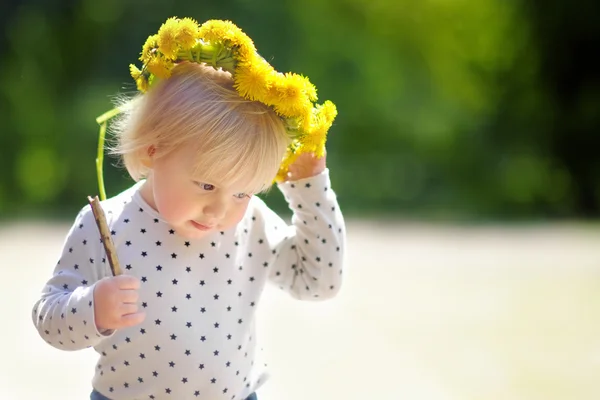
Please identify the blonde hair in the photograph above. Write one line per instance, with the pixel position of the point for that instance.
(198, 106)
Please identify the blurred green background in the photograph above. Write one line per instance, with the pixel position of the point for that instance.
(448, 109)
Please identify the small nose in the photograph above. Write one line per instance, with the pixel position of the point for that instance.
(215, 209)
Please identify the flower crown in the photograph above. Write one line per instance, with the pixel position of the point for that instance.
(221, 44)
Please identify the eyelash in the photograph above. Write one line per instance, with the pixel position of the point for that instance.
(202, 186)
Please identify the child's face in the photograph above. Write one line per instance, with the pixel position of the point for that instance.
(192, 206)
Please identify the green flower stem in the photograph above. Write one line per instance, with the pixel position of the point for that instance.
(108, 115)
(100, 159)
(102, 120)
(215, 55)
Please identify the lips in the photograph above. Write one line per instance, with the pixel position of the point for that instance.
(201, 227)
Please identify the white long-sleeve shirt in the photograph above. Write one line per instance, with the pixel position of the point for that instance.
(198, 339)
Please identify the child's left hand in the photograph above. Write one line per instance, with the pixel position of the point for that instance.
(306, 166)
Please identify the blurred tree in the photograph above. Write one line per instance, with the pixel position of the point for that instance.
(447, 109)
(567, 35)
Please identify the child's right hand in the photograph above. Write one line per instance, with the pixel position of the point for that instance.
(115, 303)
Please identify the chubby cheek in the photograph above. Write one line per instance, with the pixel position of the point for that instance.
(175, 207)
(234, 215)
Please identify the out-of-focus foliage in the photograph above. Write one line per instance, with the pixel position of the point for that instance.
(447, 109)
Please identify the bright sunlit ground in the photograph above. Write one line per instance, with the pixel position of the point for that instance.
(426, 313)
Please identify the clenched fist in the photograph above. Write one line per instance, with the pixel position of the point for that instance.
(115, 303)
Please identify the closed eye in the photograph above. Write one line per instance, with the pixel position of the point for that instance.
(240, 195)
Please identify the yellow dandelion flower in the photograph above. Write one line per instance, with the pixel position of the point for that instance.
(187, 33)
(315, 138)
(149, 48)
(167, 38)
(245, 45)
(306, 121)
(288, 159)
(315, 141)
(252, 79)
(329, 111)
(230, 35)
(245, 49)
(309, 89)
(160, 67)
(134, 71)
(214, 30)
(291, 98)
(142, 84)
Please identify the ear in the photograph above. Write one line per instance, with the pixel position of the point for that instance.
(147, 158)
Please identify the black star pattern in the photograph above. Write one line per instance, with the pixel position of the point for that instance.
(264, 253)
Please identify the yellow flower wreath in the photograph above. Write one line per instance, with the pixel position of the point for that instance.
(221, 44)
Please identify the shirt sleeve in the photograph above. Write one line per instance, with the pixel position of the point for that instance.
(307, 257)
(64, 313)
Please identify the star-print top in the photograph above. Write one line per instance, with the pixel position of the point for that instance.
(198, 338)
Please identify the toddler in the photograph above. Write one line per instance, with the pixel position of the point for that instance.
(213, 127)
